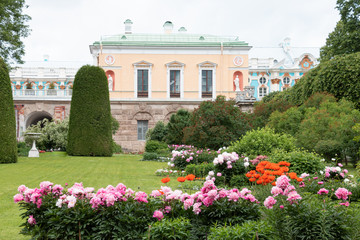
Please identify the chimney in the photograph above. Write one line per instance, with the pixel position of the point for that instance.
(182, 30)
(168, 27)
(128, 24)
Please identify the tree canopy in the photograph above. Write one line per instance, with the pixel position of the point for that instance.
(345, 38)
(12, 28)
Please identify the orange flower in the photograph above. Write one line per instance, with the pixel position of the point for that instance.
(162, 193)
(165, 180)
(273, 183)
(190, 177)
(252, 179)
(181, 179)
(293, 175)
(299, 179)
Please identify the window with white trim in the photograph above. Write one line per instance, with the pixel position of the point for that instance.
(262, 92)
(175, 79)
(206, 83)
(286, 80)
(142, 127)
(175, 83)
(142, 83)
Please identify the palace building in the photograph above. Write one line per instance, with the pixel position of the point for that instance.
(151, 76)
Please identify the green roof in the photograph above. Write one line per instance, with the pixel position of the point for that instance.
(173, 39)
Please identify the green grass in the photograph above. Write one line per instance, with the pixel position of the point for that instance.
(59, 168)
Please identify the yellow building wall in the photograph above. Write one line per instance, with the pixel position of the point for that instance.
(123, 69)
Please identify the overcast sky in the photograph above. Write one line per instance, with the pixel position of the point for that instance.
(64, 29)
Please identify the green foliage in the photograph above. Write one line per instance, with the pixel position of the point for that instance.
(312, 218)
(114, 125)
(116, 148)
(90, 121)
(301, 161)
(23, 149)
(12, 29)
(155, 146)
(345, 38)
(328, 130)
(215, 124)
(286, 122)
(158, 133)
(176, 125)
(264, 108)
(239, 181)
(54, 134)
(149, 156)
(229, 174)
(8, 146)
(199, 170)
(177, 229)
(262, 142)
(250, 230)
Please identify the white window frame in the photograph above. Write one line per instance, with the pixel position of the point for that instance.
(142, 65)
(266, 88)
(142, 126)
(207, 66)
(175, 65)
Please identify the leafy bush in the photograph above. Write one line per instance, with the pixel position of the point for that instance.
(180, 159)
(215, 124)
(53, 134)
(250, 230)
(8, 149)
(301, 161)
(90, 118)
(239, 181)
(148, 156)
(23, 149)
(158, 133)
(155, 146)
(262, 142)
(176, 125)
(199, 170)
(177, 229)
(116, 148)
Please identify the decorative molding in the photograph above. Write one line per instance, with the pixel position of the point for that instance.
(275, 81)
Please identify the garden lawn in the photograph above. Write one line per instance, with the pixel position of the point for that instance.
(59, 168)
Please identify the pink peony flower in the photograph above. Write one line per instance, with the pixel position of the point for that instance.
(22, 188)
(346, 204)
(276, 191)
(281, 206)
(188, 203)
(18, 198)
(323, 191)
(196, 208)
(293, 196)
(269, 202)
(31, 220)
(158, 214)
(218, 174)
(340, 165)
(342, 193)
(282, 182)
(320, 183)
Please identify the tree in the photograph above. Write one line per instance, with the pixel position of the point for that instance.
(90, 117)
(345, 38)
(8, 146)
(12, 28)
(176, 125)
(157, 133)
(328, 130)
(215, 124)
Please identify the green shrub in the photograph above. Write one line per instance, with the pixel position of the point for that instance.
(199, 170)
(301, 161)
(262, 142)
(90, 117)
(8, 146)
(154, 146)
(176, 125)
(157, 133)
(150, 156)
(177, 229)
(23, 149)
(215, 124)
(116, 148)
(239, 181)
(250, 230)
(54, 134)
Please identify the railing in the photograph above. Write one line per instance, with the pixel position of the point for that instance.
(32, 93)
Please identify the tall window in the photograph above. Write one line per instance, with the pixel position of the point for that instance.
(206, 83)
(262, 92)
(142, 127)
(174, 83)
(142, 82)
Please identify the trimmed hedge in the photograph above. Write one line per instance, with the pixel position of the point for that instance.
(90, 117)
(8, 146)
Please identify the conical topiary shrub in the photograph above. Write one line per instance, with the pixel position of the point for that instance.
(90, 117)
(8, 145)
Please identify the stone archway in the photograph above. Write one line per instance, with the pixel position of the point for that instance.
(34, 117)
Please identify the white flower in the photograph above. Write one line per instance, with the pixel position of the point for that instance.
(59, 203)
(172, 165)
(216, 161)
(322, 160)
(333, 159)
(304, 175)
(351, 176)
(246, 159)
(208, 178)
(246, 164)
(169, 163)
(321, 172)
(211, 173)
(346, 180)
(338, 169)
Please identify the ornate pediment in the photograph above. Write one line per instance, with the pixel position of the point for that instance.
(143, 63)
(175, 64)
(207, 64)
